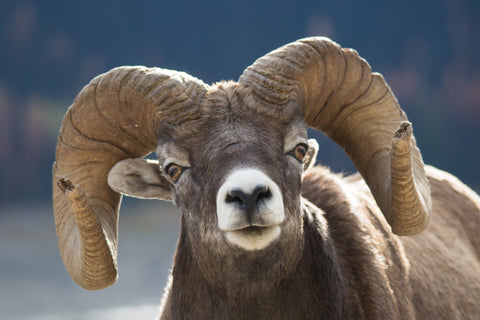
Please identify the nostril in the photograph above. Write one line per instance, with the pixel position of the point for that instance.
(236, 196)
(266, 194)
(261, 192)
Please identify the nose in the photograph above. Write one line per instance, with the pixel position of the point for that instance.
(248, 201)
(248, 197)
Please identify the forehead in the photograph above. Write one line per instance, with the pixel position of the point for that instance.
(231, 114)
(231, 107)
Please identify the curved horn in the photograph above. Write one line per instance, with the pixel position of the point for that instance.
(116, 116)
(341, 97)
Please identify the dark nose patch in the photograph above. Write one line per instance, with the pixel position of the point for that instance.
(248, 201)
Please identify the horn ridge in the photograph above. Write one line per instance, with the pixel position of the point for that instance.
(88, 141)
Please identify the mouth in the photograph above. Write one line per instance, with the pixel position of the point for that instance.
(253, 229)
(253, 237)
(250, 228)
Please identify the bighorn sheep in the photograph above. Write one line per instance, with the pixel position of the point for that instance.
(264, 234)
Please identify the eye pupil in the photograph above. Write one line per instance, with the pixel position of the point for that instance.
(174, 171)
(300, 152)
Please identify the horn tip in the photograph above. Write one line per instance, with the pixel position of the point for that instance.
(65, 185)
(405, 130)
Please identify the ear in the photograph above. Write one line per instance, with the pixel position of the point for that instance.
(311, 156)
(139, 178)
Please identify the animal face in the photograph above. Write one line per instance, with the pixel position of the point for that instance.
(237, 181)
(239, 187)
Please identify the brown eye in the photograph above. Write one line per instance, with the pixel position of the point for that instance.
(174, 171)
(300, 152)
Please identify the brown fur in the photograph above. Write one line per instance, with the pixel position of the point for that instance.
(434, 275)
(445, 260)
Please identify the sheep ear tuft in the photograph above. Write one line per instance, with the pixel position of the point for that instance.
(311, 156)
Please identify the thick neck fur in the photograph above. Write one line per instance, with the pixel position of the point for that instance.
(288, 298)
(336, 276)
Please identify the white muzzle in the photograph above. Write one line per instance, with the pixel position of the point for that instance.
(250, 209)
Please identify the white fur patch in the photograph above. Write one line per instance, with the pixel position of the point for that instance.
(254, 240)
(233, 220)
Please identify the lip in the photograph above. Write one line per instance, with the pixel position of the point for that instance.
(250, 228)
(253, 229)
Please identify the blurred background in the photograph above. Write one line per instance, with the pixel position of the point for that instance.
(427, 51)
